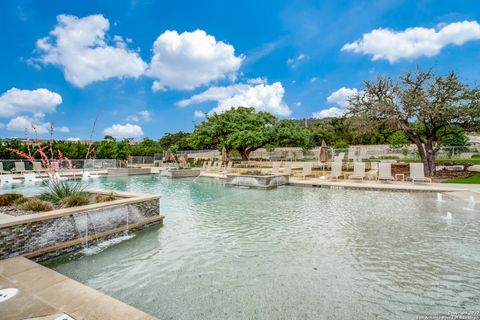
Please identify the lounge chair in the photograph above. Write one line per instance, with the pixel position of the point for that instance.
(339, 158)
(38, 167)
(287, 168)
(8, 179)
(19, 167)
(2, 171)
(417, 173)
(307, 170)
(336, 170)
(358, 171)
(385, 171)
(275, 168)
(30, 178)
(204, 164)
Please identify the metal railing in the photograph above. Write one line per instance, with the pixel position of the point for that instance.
(90, 164)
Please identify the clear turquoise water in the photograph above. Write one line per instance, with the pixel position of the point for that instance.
(290, 253)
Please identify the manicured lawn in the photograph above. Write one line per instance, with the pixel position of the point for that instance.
(475, 179)
(469, 160)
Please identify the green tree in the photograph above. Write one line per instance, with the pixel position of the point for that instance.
(241, 129)
(424, 106)
(398, 139)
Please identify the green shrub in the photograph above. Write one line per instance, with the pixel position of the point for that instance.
(35, 204)
(105, 197)
(60, 189)
(75, 200)
(476, 156)
(7, 199)
(253, 172)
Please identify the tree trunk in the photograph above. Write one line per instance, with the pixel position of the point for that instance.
(427, 155)
(245, 153)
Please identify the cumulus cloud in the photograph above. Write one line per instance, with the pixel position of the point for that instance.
(141, 116)
(341, 96)
(22, 123)
(79, 47)
(73, 139)
(124, 131)
(191, 59)
(328, 113)
(63, 129)
(16, 101)
(413, 42)
(262, 97)
(340, 99)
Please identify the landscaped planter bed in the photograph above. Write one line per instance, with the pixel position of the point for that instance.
(47, 234)
(180, 173)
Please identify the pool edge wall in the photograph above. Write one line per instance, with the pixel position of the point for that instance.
(42, 236)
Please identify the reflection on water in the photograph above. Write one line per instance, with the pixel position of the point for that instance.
(290, 253)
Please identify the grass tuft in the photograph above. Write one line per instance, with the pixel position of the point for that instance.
(35, 204)
(8, 199)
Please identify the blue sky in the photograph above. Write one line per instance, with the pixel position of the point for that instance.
(150, 67)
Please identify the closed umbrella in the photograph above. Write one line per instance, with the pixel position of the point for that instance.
(224, 154)
(323, 152)
(323, 156)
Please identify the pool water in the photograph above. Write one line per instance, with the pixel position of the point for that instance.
(289, 253)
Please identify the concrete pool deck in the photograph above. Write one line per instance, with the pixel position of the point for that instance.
(47, 294)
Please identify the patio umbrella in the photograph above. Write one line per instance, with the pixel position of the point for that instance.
(224, 154)
(323, 152)
(323, 156)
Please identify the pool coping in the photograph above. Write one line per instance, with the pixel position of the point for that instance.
(47, 294)
(127, 198)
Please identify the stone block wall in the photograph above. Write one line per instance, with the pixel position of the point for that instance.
(32, 236)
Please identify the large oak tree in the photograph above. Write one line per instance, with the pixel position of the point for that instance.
(426, 107)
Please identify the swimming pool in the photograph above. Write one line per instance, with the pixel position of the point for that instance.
(289, 253)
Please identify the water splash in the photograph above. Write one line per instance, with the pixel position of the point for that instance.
(99, 247)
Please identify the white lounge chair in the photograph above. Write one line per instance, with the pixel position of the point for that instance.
(20, 167)
(339, 158)
(30, 178)
(358, 171)
(8, 179)
(38, 167)
(2, 171)
(417, 173)
(385, 171)
(204, 164)
(287, 168)
(275, 168)
(336, 170)
(307, 170)
(86, 175)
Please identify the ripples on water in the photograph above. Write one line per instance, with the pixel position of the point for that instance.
(290, 253)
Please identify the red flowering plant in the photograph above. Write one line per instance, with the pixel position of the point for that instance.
(52, 163)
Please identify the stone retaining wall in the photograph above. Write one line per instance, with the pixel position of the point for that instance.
(54, 232)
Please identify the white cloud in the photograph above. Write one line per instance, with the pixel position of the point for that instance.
(313, 79)
(74, 139)
(141, 116)
(413, 42)
(329, 113)
(63, 129)
(340, 99)
(295, 61)
(79, 46)
(298, 104)
(341, 96)
(262, 97)
(16, 101)
(191, 59)
(2, 125)
(22, 123)
(124, 131)
(199, 114)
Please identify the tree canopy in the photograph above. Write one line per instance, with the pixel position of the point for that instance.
(424, 106)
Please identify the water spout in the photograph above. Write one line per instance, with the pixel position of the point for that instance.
(439, 197)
